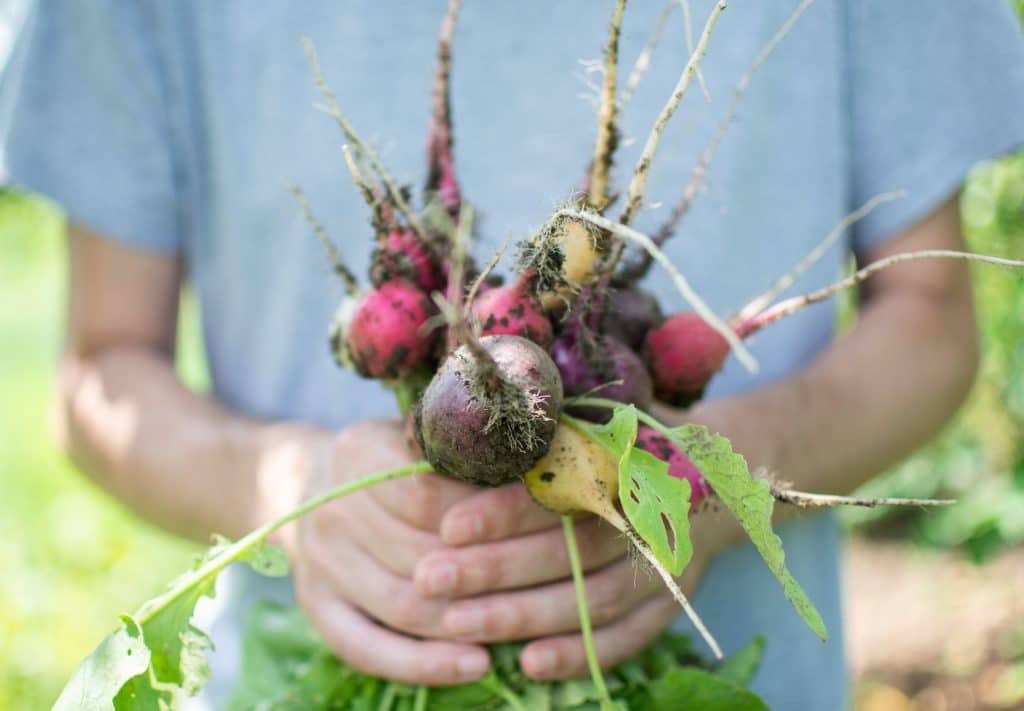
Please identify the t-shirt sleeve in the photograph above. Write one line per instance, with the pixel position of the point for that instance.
(87, 121)
(933, 88)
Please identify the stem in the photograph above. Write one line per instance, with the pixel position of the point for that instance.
(761, 302)
(365, 190)
(638, 269)
(673, 588)
(581, 604)
(492, 683)
(364, 148)
(422, 693)
(784, 308)
(604, 147)
(482, 276)
(687, 292)
(805, 500)
(643, 61)
(440, 161)
(236, 549)
(688, 26)
(349, 279)
(636, 186)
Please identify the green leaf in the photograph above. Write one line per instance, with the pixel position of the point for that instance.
(751, 502)
(118, 658)
(741, 667)
(697, 690)
(657, 506)
(618, 435)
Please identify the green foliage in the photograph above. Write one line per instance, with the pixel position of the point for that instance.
(286, 666)
(751, 501)
(656, 505)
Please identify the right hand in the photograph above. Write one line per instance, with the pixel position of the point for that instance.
(353, 559)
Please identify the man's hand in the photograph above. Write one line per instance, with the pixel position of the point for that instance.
(353, 559)
(510, 573)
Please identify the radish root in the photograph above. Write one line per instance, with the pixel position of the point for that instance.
(346, 275)
(607, 133)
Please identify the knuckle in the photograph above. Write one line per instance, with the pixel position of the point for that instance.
(609, 597)
(407, 613)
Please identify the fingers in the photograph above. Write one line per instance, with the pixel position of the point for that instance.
(518, 562)
(361, 519)
(421, 500)
(562, 657)
(353, 575)
(494, 514)
(372, 649)
(612, 592)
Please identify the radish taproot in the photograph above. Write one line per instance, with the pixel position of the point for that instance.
(490, 411)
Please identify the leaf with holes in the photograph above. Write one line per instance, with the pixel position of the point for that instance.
(658, 507)
(751, 502)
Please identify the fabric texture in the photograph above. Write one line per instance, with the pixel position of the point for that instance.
(170, 126)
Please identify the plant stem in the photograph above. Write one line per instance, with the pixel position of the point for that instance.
(635, 194)
(643, 61)
(347, 277)
(364, 148)
(581, 604)
(687, 292)
(805, 500)
(761, 302)
(604, 146)
(422, 693)
(784, 308)
(236, 549)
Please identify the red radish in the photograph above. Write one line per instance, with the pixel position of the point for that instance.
(402, 254)
(679, 465)
(683, 354)
(490, 411)
(379, 334)
(514, 311)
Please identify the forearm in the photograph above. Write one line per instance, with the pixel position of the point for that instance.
(175, 457)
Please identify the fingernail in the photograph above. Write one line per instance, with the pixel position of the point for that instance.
(543, 661)
(438, 579)
(460, 530)
(465, 621)
(472, 666)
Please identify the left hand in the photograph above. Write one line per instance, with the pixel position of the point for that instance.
(508, 575)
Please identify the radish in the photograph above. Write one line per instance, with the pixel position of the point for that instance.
(631, 313)
(402, 254)
(679, 465)
(512, 310)
(379, 334)
(490, 411)
(683, 354)
(589, 362)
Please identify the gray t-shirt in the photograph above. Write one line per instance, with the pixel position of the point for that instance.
(169, 126)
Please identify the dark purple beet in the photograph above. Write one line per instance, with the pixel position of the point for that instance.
(585, 365)
(632, 312)
(487, 424)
